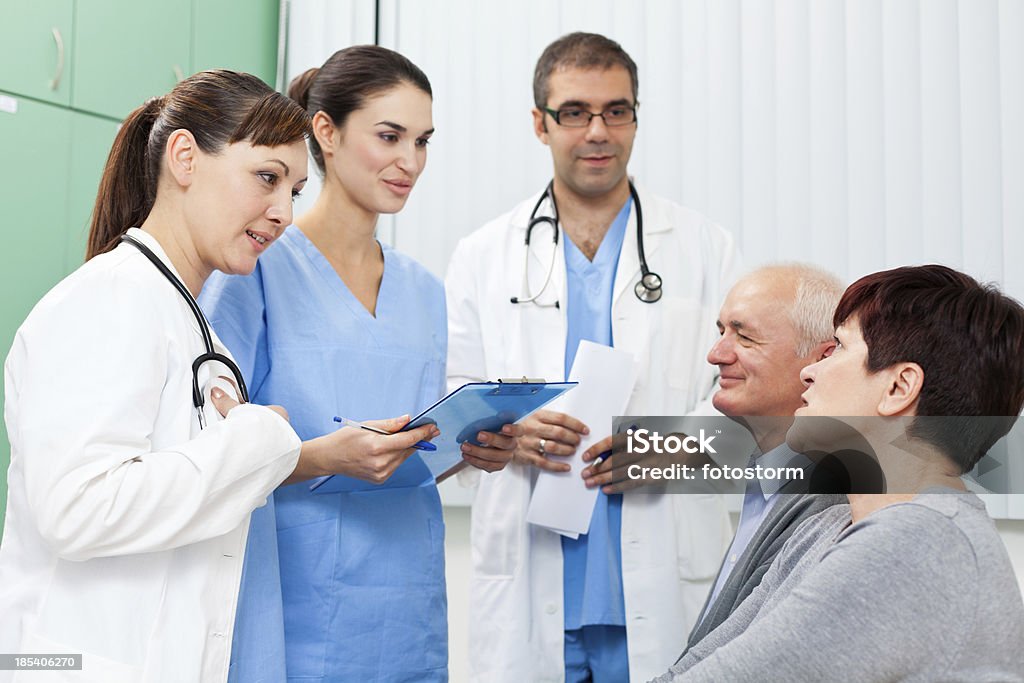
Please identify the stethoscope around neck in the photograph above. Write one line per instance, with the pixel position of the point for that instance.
(647, 288)
(204, 328)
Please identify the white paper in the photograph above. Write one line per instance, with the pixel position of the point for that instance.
(561, 501)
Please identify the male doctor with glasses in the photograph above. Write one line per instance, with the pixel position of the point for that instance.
(616, 603)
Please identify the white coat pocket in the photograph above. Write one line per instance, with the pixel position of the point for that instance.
(685, 338)
(702, 528)
(497, 527)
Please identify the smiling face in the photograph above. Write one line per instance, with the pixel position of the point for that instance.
(590, 161)
(377, 156)
(757, 351)
(841, 384)
(240, 201)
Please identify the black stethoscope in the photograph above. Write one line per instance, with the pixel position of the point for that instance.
(647, 289)
(204, 328)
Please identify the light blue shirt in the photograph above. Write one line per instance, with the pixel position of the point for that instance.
(592, 574)
(757, 501)
(340, 586)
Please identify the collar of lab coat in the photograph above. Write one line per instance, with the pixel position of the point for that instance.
(656, 223)
(154, 246)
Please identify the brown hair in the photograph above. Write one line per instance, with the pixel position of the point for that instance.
(347, 79)
(968, 339)
(580, 51)
(219, 108)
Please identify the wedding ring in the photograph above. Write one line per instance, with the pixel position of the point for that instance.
(540, 448)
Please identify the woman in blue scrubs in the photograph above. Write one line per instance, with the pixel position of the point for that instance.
(351, 587)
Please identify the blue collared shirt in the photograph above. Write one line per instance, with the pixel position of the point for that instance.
(592, 576)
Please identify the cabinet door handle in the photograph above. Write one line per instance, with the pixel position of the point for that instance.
(179, 75)
(57, 38)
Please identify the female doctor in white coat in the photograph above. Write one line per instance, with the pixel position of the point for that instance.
(671, 544)
(129, 501)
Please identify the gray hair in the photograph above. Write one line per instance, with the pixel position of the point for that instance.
(817, 295)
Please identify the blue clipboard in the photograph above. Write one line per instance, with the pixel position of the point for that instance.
(461, 415)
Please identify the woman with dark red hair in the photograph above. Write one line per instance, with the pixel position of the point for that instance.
(914, 583)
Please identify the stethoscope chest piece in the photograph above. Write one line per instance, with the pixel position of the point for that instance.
(648, 288)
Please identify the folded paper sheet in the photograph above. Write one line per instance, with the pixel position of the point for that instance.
(560, 501)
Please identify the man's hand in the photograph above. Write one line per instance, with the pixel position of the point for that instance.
(547, 433)
(612, 472)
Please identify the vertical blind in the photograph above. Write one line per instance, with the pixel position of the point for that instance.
(313, 31)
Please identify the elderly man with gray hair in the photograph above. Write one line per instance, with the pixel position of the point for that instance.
(774, 322)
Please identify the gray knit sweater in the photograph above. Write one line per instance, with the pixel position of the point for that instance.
(917, 591)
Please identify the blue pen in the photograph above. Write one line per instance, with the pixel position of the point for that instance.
(420, 445)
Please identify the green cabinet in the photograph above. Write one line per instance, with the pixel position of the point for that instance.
(109, 56)
(160, 42)
(127, 51)
(35, 49)
(35, 138)
(55, 158)
(91, 138)
(243, 47)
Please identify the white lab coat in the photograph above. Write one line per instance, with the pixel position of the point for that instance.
(671, 544)
(126, 525)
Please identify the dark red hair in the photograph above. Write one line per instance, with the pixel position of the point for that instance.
(968, 339)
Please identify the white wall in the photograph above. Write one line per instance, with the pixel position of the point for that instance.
(313, 31)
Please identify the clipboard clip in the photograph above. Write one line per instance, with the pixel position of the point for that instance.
(520, 380)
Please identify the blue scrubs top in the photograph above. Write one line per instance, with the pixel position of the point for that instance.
(361, 589)
(592, 575)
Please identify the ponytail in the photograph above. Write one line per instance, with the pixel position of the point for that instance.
(126, 192)
(298, 89)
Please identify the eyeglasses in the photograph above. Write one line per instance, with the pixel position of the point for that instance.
(577, 117)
